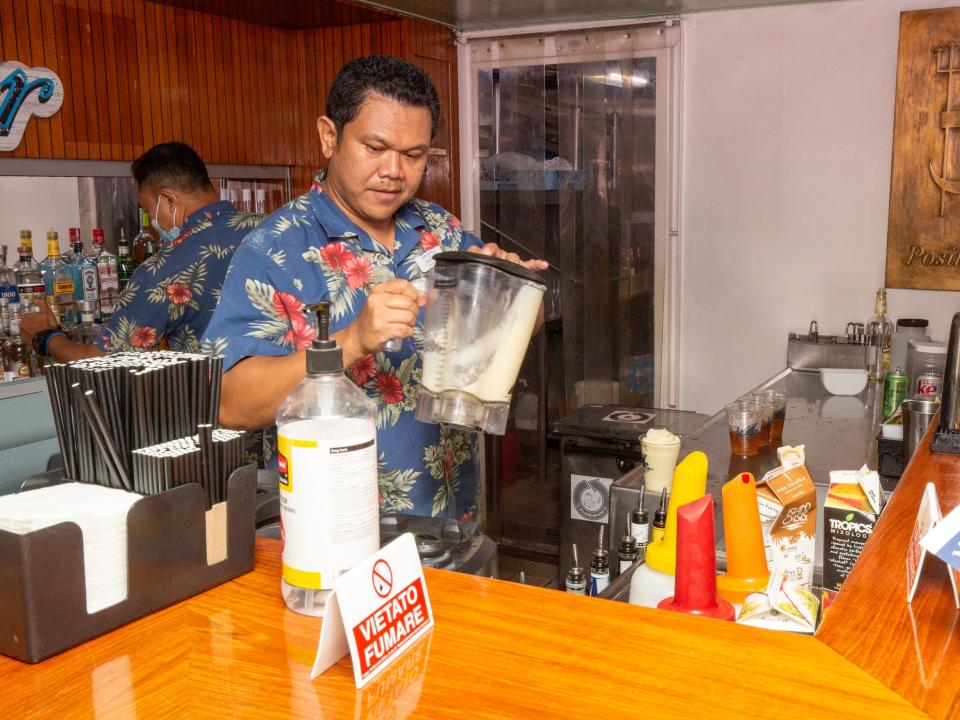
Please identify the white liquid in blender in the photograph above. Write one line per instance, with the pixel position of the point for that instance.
(489, 365)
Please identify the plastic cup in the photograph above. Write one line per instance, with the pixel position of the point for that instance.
(744, 419)
(779, 403)
(768, 408)
(661, 459)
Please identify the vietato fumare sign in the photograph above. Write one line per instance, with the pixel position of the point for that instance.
(923, 237)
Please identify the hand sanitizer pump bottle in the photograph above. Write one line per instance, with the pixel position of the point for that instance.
(327, 460)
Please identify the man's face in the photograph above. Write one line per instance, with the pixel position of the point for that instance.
(378, 161)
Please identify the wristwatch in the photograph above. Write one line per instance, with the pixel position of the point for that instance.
(42, 338)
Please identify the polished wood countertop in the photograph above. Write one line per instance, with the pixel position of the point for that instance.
(498, 650)
(911, 647)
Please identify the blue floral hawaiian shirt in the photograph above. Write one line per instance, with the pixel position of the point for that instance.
(170, 298)
(308, 252)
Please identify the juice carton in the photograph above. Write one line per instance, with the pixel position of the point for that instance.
(788, 515)
(853, 504)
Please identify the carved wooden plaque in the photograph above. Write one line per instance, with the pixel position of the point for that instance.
(923, 238)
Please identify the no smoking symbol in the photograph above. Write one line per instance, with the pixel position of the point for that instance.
(382, 578)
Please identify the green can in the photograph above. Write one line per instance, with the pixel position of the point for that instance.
(894, 392)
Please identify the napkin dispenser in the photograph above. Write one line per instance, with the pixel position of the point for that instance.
(42, 587)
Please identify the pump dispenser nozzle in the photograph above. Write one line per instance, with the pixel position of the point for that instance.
(323, 356)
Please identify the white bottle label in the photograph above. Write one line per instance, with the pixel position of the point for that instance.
(641, 532)
(329, 514)
(625, 565)
(598, 582)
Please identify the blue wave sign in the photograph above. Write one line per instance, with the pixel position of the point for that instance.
(24, 92)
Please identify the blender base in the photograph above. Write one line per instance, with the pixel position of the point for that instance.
(461, 409)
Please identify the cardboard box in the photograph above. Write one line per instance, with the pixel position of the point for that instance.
(853, 504)
(788, 515)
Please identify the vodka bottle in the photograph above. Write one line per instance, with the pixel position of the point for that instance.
(27, 273)
(58, 281)
(106, 274)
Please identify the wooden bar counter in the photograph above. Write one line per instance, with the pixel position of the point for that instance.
(498, 650)
(911, 647)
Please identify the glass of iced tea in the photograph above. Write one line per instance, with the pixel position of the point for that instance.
(778, 401)
(744, 420)
(767, 420)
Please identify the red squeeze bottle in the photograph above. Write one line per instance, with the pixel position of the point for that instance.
(695, 589)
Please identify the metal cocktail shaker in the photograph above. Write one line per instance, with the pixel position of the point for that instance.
(947, 437)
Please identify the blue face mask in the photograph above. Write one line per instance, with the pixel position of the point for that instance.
(168, 236)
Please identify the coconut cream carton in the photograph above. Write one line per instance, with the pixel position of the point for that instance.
(788, 515)
(854, 501)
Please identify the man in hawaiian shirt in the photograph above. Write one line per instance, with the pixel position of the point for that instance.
(170, 298)
(354, 240)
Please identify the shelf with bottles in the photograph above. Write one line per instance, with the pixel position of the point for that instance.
(255, 196)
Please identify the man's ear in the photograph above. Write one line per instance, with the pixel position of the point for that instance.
(328, 135)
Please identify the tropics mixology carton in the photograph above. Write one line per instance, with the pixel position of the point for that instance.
(853, 505)
(788, 515)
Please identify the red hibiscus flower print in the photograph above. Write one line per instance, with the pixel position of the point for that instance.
(358, 271)
(143, 337)
(317, 186)
(429, 240)
(301, 333)
(287, 305)
(335, 254)
(363, 369)
(178, 293)
(390, 388)
(453, 221)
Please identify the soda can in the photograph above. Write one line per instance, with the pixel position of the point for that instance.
(929, 384)
(894, 391)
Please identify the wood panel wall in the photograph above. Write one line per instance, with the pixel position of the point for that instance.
(137, 73)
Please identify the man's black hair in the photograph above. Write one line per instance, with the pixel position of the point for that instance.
(385, 75)
(174, 165)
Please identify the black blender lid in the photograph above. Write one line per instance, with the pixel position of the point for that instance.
(912, 322)
(505, 265)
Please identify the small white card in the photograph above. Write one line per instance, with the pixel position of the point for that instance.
(943, 541)
(927, 518)
(377, 611)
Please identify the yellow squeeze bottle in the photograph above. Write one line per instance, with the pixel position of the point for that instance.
(689, 484)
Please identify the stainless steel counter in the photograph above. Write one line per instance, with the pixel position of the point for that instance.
(839, 433)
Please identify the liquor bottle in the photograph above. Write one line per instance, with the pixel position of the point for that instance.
(84, 270)
(879, 337)
(261, 196)
(125, 263)
(88, 330)
(58, 281)
(27, 272)
(106, 275)
(4, 319)
(8, 281)
(247, 195)
(143, 244)
(16, 363)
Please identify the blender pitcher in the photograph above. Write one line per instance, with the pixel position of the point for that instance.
(479, 318)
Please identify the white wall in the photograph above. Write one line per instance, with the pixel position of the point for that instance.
(37, 204)
(787, 140)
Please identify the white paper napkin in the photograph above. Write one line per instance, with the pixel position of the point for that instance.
(101, 514)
